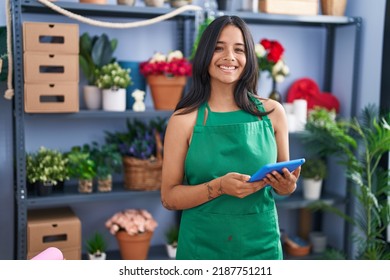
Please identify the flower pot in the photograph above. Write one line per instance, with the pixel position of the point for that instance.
(101, 2)
(97, 257)
(171, 251)
(166, 91)
(92, 97)
(311, 188)
(134, 247)
(154, 3)
(318, 242)
(85, 186)
(44, 188)
(333, 7)
(126, 2)
(104, 185)
(114, 100)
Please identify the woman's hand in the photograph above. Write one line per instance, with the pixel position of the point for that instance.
(283, 184)
(236, 184)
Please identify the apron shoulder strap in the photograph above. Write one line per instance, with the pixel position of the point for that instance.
(259, 106)
(200, 117)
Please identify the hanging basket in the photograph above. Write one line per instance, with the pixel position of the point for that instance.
(166, 91)
(144, 174)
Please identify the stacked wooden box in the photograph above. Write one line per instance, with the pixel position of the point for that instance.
(51, 67)
(289, 7)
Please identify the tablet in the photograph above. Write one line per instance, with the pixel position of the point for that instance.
(291, 165)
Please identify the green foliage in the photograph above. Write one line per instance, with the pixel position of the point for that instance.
(172, 235)
(201, 29)
(106, 157)
(96, 244)
(46, 165)
(112, 76)
(80, 164)
(95, 52)
(314, 168)
(140, 138)
(360, 144)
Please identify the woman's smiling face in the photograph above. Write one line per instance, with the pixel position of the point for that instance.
(229, 56)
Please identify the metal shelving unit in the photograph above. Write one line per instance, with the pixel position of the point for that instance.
(185, 28)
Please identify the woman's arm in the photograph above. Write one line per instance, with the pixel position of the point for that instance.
(286, 183)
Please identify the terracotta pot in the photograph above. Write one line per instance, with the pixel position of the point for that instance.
(134, 247)
(333, 7)
(166, 91)
(101, 2)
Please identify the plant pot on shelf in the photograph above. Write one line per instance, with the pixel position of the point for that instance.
(85, 185)
(101, 2)
(171, 250)
(97, 257)
(311, 188)
(134, 247)
(333, 7)
(114, 100)
(166, 91)
(142, 174)
(126, 2)
(92, 97)
(154, 3)
(44, 188)
(105, 184)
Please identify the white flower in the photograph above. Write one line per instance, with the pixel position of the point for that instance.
(286, 70)
(279, 78)
(277, 68)
(158, 57)
(260, 50)
(174, 55)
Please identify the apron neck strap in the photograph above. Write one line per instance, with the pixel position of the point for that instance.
(200, 117)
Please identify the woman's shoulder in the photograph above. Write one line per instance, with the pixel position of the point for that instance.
(271, 105)
(182, 119)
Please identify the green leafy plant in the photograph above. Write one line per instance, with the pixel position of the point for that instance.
(139, 140)
(359, 144)
(95, 52)
(314, 168)
(172, 235)
(113, 76)
(46, 165)
(106, 157)
(96, 244)
(80, 164)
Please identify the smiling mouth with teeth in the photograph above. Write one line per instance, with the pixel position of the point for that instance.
(227, 67)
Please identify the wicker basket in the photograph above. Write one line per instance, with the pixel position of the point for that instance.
(143, 174)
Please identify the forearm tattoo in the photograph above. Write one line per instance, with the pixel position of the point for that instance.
(209, 191)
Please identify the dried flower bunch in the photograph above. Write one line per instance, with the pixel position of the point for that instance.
(173, 64)
(133, 221)
(270, 58)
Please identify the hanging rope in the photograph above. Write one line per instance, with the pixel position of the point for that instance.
(9, 93)
(116, 24)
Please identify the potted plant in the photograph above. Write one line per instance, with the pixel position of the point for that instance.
(313, 172)
(133, 229)
(107, 161)
(46, 168)
(82, 167)
(166, 76)
(172, 237)
(141, 150)
(360, 143)
(95, 52)
(113, 80)
(96, 247)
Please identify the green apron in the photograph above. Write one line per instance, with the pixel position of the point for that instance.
(228, 227)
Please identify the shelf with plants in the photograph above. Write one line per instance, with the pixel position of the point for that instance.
(70, 194)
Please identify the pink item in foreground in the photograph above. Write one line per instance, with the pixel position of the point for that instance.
(50, 253)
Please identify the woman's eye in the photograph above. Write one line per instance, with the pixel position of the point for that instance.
(218, 48)
(240, 50)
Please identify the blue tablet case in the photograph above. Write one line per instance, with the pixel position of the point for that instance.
(291, 165)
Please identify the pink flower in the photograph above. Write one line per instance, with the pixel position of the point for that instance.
(133, 221)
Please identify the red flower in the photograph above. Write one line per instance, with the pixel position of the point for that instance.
(159, 64)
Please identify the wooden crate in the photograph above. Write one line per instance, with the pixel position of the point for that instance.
(289, 7)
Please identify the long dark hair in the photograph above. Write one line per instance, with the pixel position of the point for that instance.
(200, 89)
